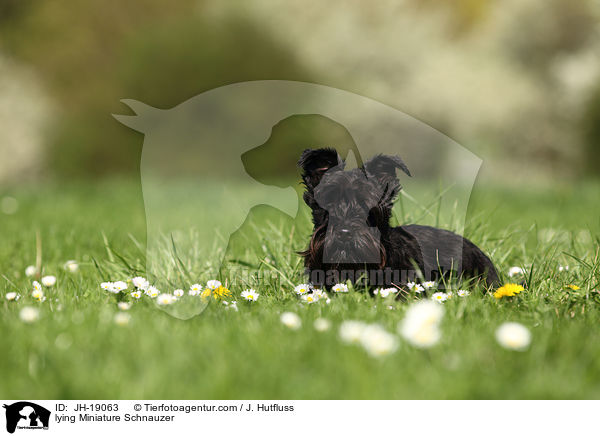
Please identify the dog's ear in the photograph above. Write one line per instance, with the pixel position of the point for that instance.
(315, 163)
(383, 169)
(385, 166)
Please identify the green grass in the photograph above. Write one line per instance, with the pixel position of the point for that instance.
(75, 350)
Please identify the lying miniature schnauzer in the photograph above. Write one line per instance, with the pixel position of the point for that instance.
(352, 238)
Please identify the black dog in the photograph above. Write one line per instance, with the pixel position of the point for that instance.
(352, 238)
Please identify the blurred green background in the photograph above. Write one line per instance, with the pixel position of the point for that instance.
(515, 81)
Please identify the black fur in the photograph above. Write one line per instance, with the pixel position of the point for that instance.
(352, 235)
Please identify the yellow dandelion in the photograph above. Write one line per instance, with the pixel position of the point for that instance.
(573, 287)
(508, 290)
(221, 292)
(217, 293)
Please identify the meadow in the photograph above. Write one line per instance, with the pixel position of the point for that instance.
(76, 349)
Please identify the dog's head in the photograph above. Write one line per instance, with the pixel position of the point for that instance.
(351, 209)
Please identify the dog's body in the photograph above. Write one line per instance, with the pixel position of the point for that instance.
(352, 235)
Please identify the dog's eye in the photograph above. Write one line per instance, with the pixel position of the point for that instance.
(371, 219)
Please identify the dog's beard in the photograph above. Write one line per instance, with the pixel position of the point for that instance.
(363, 248)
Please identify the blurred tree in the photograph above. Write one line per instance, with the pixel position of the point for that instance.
(507, 78)
(552, 28)
(462, 15)
(12, 11)
(94, 53)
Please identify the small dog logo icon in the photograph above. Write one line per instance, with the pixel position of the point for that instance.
(26, 415)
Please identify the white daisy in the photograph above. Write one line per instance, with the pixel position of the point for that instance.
(119, 286)
(30, 271)
(304, 288)
(309, 298)
(152, 292)
(29, 314)
(178, 293)
(136, 294)
(122, 318)
(429, 285)
(37, 286)
(12, 296)
(387, 291)
(340, 287)
(513, 336)
(515, 271)
(420, 325)
(48, 281)
(213, 284)
(71, 266)
(411, 285)
(319, 294)
(440, 297)
(291, 320)
(322, 324)
(122, 305)
(195, 290)
(449, 294)
(351, 331)
(140, 283)
(38, 294)
(377, 341)
(165, 299)
(108, 286)
(418, 289)
(463, 293)
(250, 295)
